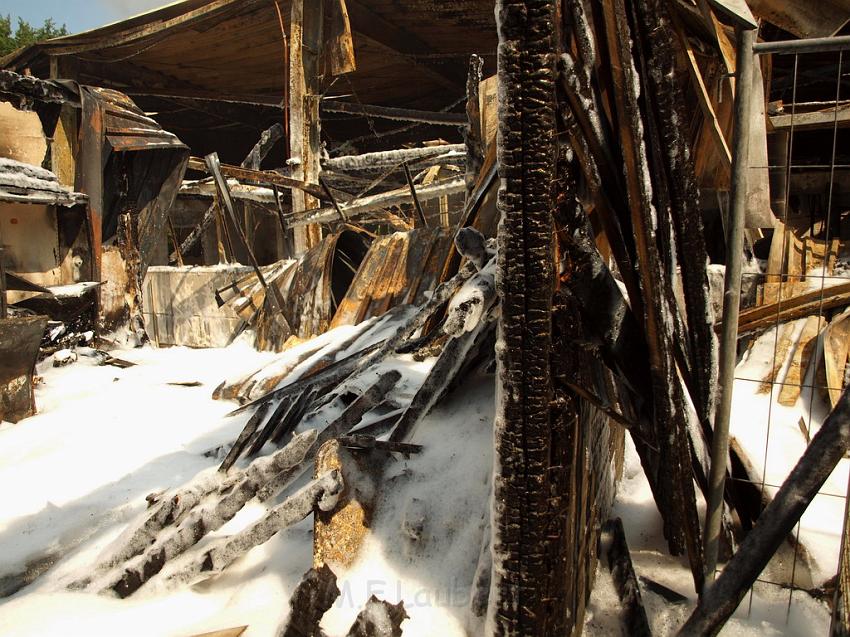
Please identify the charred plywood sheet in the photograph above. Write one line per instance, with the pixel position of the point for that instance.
(19, 342)
(399, 269)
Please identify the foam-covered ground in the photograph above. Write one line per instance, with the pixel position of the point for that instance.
(104, 438)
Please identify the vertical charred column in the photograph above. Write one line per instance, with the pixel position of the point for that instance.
(666, 104)
(524, 586)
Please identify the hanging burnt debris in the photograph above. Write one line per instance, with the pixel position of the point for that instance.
(128, 169)
(547, 197)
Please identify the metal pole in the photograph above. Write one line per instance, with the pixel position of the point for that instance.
(731, 299)
(810, 45)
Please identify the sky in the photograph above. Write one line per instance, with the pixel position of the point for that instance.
(77, 15)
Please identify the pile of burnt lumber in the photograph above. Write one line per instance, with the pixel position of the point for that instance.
(345, 394)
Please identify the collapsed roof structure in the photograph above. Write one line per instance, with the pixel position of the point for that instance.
(559, 196)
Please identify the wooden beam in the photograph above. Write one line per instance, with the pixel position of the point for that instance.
(813, 121)
(704, 99)
(379, 202)
(793, 308)
(780, 517)
(99, 40)
(673, 485)
(260, 176)
(398, 114)
(304, 50)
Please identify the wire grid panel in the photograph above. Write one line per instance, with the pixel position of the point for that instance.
(782, 394)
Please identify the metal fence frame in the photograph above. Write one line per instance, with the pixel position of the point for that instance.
(748, 54)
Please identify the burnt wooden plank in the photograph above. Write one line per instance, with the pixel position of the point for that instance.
(526, 596)
(671, 478)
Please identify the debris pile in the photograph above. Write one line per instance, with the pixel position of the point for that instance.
(591, 238)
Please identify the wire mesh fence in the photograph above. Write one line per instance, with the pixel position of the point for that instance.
(796, 322)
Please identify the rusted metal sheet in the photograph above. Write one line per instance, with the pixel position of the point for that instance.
(127, 164)
(399, 269)
(19, 342)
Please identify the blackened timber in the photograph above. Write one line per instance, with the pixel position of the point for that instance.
(273, 294)
(527, 594)
(267, 140)
(312, 598)
(358, 441)
(197, 232)
(393, 158)
(398, 114)
(340, 426)
(127, 579)
(338, 370)
(447, 366)
(671, 477)
(389, 199)
(584, 128)
(473, 137)
(606, 317)
(670, 114)
(614, 548)
(221, 552)
(254, 422)
(414, 196)
(261, 177)
(780, 517)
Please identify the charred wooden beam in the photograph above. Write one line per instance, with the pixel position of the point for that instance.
(256, 419)
(721, 598)
(397, 114)
(614, 548)
(369, 356)
(269, 177)
(527, 596)
(389, 199)
(341, 425)
(673, 483)
(127, 578)
(667, 106)
(221, 553)
(3, 308)
(312, 598)
(796, 307)
(267, 140)
(448, 364)
(472, 136)
(305, 27)
(414, 196)
(197, 232)
(357, 441)
(394, 158)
